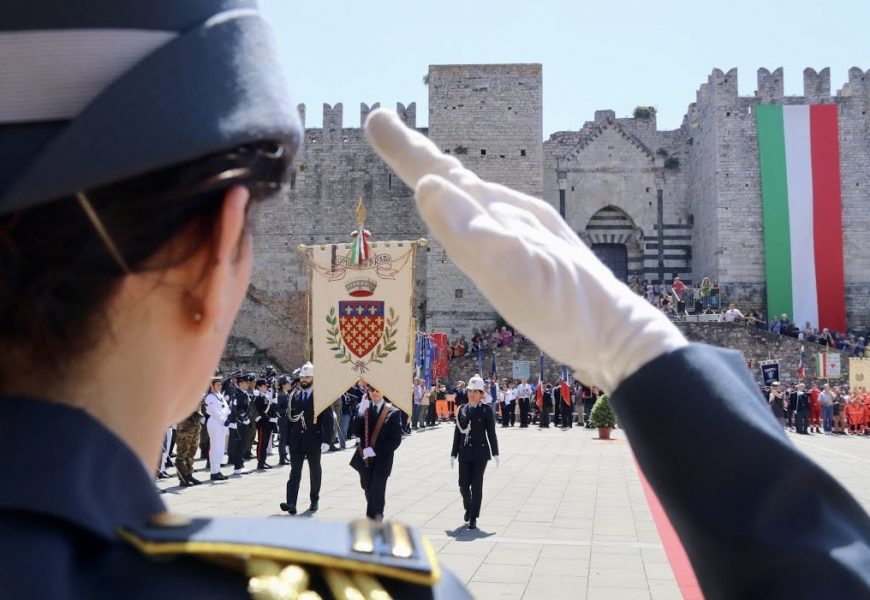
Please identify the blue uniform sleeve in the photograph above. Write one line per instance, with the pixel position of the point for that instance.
(757, 517)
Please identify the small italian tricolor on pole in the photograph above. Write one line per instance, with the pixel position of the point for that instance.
(822, 365)
(799, 154)
(359, 249)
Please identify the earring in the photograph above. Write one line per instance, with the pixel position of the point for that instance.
(197, 316)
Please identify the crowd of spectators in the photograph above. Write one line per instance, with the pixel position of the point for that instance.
(820, 408)
(499, 337)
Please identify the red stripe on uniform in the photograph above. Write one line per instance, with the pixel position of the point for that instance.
(827, 216)
(680, 565)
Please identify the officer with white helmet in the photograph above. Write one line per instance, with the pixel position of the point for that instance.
(307, 440)
(474, 441)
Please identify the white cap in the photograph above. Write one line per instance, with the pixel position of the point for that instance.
(307, 370)
(475, 383)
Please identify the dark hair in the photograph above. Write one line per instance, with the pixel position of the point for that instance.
(56, 275)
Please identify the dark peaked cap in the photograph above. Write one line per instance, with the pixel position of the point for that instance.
(96, 91)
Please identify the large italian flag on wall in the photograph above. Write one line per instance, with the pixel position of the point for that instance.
(803, 234)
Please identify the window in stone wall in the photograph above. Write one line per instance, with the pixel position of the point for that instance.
(457, 293)
(483, 152)
(522, 152)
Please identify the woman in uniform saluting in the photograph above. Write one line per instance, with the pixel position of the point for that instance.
(474, 442)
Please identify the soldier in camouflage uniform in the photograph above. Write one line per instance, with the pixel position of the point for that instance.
(187, 442)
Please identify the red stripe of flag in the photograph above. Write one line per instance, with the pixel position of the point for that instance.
(827, 216)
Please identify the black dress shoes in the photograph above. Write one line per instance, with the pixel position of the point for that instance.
(290, 508)
(219, 477)
(466, 516)
(473, 524)
(313, 508)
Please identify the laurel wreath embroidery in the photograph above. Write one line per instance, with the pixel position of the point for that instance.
(388, 343)
(381, 351)
(333, 338)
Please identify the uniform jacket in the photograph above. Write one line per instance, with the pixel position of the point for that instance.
(265, 408)
(482, 443)
(281, 405)
(239, 406)
(69, 530)
(788, 530)
(216, 407)
(305, 434)
(388, 439)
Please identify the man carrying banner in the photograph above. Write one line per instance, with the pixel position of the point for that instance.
(307, 441)
(379, 429)
(474, 442)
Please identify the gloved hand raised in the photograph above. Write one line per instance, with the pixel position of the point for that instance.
(363, 405)
(580, 314)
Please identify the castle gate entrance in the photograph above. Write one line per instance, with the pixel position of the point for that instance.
(615, 256)
(616, 241)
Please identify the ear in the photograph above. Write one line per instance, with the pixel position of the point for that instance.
(227, 270)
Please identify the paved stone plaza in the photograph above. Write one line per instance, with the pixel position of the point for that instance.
(565, 516)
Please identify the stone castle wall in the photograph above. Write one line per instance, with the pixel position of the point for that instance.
(699, 216)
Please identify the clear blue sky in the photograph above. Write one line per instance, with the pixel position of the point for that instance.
(614, 54)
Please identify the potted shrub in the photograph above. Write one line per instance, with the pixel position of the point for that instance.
(603, 417)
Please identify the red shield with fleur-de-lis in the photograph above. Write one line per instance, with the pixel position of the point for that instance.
(362, 325)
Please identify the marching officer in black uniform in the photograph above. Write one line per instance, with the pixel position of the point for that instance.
(378, 425)
(474, 443)
(306, 441)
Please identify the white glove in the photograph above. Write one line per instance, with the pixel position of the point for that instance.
(497, 460)
(485, 227)
(368, 453)
(452, 461)
(363, 406)
(234, 426)
(324, 447)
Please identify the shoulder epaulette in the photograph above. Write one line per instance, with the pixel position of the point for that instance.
(364, 553)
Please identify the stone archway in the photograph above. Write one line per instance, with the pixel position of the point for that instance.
(616, 241)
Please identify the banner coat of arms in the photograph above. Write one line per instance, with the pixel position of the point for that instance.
(361, 320)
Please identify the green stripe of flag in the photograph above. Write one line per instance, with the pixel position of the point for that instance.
(774, 205)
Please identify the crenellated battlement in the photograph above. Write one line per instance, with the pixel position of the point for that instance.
(817, 86)
(333, 115)
(770, 86)
(858, 84)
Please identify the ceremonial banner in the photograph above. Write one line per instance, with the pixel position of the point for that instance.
(859, 373)
(521, 369)
(770, 371)
(442, 355)
(828, 365)
(361, 321)
(799, 159)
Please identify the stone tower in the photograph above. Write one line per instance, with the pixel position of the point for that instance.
(490, 117)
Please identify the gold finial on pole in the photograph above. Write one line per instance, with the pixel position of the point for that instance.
(361, 213)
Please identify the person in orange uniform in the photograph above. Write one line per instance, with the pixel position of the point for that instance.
(815, 409)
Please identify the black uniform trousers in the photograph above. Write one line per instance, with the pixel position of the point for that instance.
(525, 406)
(471, 485)
(236, 449)
(545, 416)
(374, 483)
(314, 470)
(567, 414)
(264, 436)
(283, 438)
(509, 413)
(801, 420)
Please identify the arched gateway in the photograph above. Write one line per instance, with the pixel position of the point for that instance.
(616, 241)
